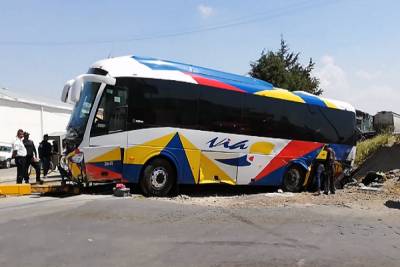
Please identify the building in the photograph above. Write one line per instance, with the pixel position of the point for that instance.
(38, 117)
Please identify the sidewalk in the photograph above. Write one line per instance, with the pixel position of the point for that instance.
(8, 176)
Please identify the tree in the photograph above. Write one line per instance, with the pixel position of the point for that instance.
(283, 69)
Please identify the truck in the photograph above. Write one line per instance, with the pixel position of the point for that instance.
(387, 121)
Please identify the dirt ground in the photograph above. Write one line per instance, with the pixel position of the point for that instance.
(350, 197)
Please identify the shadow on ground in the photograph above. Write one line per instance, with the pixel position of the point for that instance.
(189, 190)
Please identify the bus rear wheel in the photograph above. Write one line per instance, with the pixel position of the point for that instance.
(158, 178)
(293, 179)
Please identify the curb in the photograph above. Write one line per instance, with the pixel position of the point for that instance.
(15, 189)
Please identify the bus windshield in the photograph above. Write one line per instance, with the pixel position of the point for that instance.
(80, 114)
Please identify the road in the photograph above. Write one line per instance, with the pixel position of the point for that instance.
(9, 176)
(101, 230)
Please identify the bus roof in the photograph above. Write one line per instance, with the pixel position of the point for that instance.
(169, 70)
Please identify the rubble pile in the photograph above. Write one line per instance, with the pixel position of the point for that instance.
(369, 193)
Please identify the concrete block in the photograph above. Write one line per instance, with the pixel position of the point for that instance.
(15, 189)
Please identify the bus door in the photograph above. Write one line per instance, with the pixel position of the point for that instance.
(108, 137)
(218, 167)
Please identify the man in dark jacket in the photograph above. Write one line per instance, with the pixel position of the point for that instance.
(31, 158)
(45, 154)
(330, 170)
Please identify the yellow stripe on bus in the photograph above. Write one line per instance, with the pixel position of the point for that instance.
(141, 153)
(281, 94)
(193, 156)
(209, 171)
(329, 104)
(112, 155)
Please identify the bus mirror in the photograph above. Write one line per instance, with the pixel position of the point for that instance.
(66, 91)
(81, 79)
(76, 90)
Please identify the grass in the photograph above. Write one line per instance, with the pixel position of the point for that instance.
(368, 147)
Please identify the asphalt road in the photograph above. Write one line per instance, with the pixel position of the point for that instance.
(97, 230)
(9, 175)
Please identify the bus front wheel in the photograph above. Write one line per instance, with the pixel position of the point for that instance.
(293, 179)
(158, 178)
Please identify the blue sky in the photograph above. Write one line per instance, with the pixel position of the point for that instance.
(354, 43)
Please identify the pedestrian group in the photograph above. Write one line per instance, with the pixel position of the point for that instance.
(25, 155)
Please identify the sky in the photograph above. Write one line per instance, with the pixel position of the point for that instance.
(354, 43)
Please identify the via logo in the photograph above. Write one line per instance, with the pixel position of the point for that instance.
(226, 143)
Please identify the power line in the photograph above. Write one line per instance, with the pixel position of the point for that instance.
(249, 19)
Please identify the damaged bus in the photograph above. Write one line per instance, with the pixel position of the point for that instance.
(160, 123)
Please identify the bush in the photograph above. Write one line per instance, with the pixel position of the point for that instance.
(368, 147)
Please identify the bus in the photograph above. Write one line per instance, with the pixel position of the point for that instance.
(159, 124)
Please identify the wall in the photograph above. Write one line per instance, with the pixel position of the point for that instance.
(17, 115)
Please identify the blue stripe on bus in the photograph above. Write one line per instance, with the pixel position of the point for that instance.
(248, 84)
(131, 172)
(311, 99)
(174, 150)
(341, 151)
(238, 161)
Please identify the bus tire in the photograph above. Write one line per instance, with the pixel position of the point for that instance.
(293, 179)
(158, 178)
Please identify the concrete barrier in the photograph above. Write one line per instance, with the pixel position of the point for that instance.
(15, 189)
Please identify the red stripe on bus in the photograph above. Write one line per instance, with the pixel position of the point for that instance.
(97, 173)
(293, 150)
(214, 83)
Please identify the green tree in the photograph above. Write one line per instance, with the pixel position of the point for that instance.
(283, 69)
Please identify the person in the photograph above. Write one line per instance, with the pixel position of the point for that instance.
(329, 170)
(31, 158)
(320, 175)
(45, 154)
(55, 156)
(19, 153)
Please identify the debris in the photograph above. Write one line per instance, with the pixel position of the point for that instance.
(286, 194)
(120, 190)
(183, 197)
(369, 188)
(353, 182)
(374, 177)
(375, 184)
(280, 190)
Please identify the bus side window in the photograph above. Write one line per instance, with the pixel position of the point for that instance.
(161, 103)
(111, 113)
(220, 110)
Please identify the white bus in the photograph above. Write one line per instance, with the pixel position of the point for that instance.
(159, 123)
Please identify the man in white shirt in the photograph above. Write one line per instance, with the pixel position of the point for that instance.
(19, 153)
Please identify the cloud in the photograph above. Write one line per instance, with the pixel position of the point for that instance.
(364, 90)
(332, 76)
(363, 74)
(205, 11)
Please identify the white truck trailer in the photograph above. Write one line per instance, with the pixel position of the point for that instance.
(387, 121)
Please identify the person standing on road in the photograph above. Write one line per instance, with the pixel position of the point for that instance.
(320, 176)
(45, 154)
(329, 170)
(19, 154)
(31, 158)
